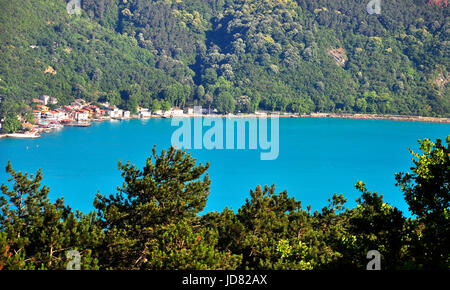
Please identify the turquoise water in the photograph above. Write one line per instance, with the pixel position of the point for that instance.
(317, 157)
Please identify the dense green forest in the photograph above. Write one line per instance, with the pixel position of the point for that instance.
(153, 222)
(234, 55)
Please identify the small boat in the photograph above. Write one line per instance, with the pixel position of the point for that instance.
(23, 135)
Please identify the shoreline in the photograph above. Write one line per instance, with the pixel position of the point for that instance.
(405, 118)
(438, 120)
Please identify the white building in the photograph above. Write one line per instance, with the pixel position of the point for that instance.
(189, 111)
(126, 114)
(115, 113)
(45, 99)
(173, 113)
(49, 116)
(144, 113)
(60, 115)
(176, 112)
(37, 115)
(105, 105)
(52, 115)
(81, 116)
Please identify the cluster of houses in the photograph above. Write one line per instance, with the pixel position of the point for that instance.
(80, 113)
(116, 113)
(49, 116)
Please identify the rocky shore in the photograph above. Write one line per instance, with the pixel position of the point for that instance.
(329, 115)
(379, 117)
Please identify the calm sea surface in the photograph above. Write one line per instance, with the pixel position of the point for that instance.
(317, 157)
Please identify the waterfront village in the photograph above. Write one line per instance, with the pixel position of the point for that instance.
(47, 116)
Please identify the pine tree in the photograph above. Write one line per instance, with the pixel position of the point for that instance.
(36, 233)
(153, 223)
(427, 193)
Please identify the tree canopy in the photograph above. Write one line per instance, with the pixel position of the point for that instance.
(155, 221)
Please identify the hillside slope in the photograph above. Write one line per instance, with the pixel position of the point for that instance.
(288, 55)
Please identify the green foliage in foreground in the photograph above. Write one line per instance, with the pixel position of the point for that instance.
(153, 222)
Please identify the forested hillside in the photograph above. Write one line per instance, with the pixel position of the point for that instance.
(234, 55)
